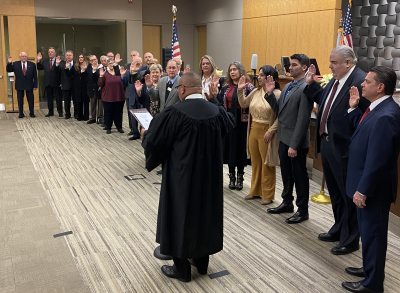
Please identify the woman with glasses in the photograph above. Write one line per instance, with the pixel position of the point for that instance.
(113, 94)
(262, 145)
(235, 151)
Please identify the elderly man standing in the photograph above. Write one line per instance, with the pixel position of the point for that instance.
(190, 214)
(333, 134)
(51, 80)
(67, 83)
(25, 81)
(166, 92)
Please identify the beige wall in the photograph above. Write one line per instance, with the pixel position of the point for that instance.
(92, 9)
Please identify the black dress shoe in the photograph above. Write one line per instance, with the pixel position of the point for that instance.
(161, 256)
(49, 114)
(134, 137)
(108, 131)
(105, 128)
(102, 125)
(91, 121)
(328, 237)
(358, 272)
(171, 272)
(60, 115)
(131, 132)
(32, 115)
(282, 208)
(356, 287)
(297, 218)
(159, 172)
(342, 250)
(120, 130)
(21, 116)
(67, 116)
(200, 272)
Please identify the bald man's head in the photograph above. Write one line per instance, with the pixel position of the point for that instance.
(189, 83)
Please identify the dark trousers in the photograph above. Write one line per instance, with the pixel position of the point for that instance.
(183, 266)
(82, 108)
(129, 114)
(113, 112)
(67, 101)
(29, 97)
(373, 223)
(54, 92)
(132, 121)
(294, 172)
(344, 210)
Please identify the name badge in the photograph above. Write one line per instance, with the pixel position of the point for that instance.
(169, 89)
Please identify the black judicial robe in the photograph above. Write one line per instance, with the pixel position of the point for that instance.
(186, 139)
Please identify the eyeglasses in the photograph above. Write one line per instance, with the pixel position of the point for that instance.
(171, 68)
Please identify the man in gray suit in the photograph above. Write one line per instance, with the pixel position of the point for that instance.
(165, 92)
(294, 111)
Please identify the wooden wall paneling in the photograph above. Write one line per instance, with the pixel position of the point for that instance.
(317, 5)
(282, 39)
(18, 7)
(152, 40)
(316, 40)
(282, 7)
(22, 37)
(3, 72)
(255, 8)
(202, 41)
(254, 41)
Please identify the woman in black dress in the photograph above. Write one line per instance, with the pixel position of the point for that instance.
(235, 150)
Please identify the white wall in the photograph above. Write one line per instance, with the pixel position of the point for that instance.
(98, 9)
(224, 29)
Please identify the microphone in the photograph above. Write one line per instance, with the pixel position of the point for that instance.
(254, 62)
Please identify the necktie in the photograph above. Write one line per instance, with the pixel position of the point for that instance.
(24, 69)
(51, 64)
(327, 108)
(365, 114)
(70, 65)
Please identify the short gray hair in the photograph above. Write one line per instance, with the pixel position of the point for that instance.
(109, 60)
(103, 56)
(172, 60)
(346, 53)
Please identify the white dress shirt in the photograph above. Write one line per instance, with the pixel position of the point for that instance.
(342, 81)
(205, 83)
(26, 65)
(194, 96)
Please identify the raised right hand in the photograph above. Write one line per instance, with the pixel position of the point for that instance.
(212, 91)
(10, 60)
(148, 81)
(242, 83)
(39, 57)
(101, 72)
(311, 74)
(269, 85)
(354, 97)
(138, 86)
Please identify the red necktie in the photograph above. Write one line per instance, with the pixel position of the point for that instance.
(365, 114)
(23, 68)
(327, 108)
(51, 64)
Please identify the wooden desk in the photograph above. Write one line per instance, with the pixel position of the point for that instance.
(283, 80)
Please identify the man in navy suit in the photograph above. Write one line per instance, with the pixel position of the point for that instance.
(332, 135)
(51, 80)
(25, 80)
(372, 172)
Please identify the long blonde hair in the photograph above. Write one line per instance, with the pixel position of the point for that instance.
(214, 67)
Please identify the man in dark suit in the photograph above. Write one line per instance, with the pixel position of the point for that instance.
(127, 67)
(294, 111)
(51, 80)
(332, 139)
(67, 83)
(25, 80)
(96, 104)
(372, 172)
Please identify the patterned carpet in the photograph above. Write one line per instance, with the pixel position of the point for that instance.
(82, 170)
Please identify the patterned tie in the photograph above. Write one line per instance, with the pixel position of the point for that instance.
(51, 64)
(24, 69)
(327, 108)
(365, 114)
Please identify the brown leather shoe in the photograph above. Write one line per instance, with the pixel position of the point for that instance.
(266, 202)
(248, 197)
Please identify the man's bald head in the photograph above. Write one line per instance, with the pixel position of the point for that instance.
(189, 83)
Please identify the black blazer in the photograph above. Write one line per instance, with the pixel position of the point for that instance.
(66, 82)
(51, 77)
(340, 130)
(92, 78)
(23, 82)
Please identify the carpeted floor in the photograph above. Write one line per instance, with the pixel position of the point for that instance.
(62, 175)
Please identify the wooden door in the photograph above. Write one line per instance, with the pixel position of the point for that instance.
(202, 43)
(3, 73)
(152, 41)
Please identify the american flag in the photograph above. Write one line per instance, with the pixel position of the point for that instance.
(176, 52)
(348, 28)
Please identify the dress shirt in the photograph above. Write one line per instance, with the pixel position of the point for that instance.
(205, 83)
(26, 65)
(194, 96)
(172, 80)
(342, 81)
(373, 104)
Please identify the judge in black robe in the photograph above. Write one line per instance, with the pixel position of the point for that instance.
(186, 138)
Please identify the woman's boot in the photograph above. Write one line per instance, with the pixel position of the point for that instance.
(232, 181)
(240, 179)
